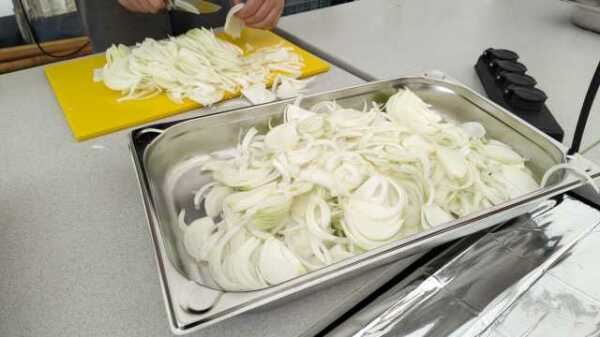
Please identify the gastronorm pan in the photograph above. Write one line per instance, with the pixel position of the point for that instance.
(167, 158)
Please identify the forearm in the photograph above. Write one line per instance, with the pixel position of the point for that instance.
(108, 22)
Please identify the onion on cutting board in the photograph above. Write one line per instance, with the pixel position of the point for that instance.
(201, 67)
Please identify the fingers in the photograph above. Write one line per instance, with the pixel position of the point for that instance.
(267, 19)
(263, 11)
(143, 6)
(130, 5)
(249, 9)
(157, 5)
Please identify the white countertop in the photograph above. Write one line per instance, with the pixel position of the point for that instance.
(75, 254)
(391, 38)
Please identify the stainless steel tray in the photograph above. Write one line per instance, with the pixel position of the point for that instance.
(167, 157)
(535, 277)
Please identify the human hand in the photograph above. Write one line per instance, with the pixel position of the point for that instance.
(262, 14)
(144, 6)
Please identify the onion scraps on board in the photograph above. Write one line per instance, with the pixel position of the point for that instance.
(196, 65)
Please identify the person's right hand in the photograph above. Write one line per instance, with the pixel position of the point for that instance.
(144, 6)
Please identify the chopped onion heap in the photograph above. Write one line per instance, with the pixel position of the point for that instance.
(196, 65)
(333, 182)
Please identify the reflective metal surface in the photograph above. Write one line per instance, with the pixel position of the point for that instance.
(537, 277)
(168, 171)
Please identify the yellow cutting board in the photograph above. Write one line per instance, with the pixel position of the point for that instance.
(91, 109)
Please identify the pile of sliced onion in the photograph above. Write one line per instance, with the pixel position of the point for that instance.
(332, 182)
(196, 65)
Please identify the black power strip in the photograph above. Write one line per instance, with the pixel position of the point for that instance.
(505, 81)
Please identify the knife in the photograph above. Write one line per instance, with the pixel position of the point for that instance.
(194, 6)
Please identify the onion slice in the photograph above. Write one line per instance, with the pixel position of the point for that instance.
(233, 24)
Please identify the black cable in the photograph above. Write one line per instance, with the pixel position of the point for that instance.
(37, 43)
(585, 112)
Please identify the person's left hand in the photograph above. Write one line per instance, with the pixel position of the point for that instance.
(144, 6)
(262, 14)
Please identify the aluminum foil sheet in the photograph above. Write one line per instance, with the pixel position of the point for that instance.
(536, 277)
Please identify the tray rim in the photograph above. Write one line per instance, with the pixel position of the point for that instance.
(312, 279)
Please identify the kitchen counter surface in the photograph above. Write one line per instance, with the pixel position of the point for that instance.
(75, 253)
(390, 38)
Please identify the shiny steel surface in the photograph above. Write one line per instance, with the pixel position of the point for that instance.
(537, 277)
(168, 170)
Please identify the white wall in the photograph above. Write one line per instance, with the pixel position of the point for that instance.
(6, 7)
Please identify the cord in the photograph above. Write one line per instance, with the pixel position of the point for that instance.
(585, 112)
(37, 43)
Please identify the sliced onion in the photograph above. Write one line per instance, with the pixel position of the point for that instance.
(281, 138)
(258, 94)
(277, 263)
(198, 232)
(287, 87)
(213, 203)
(453, 162)
(502, 154)
(233, 24)
(473, 129)
(375, 209)
(198, 66)
(332, 182)
(435, 215)
(318, 219)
